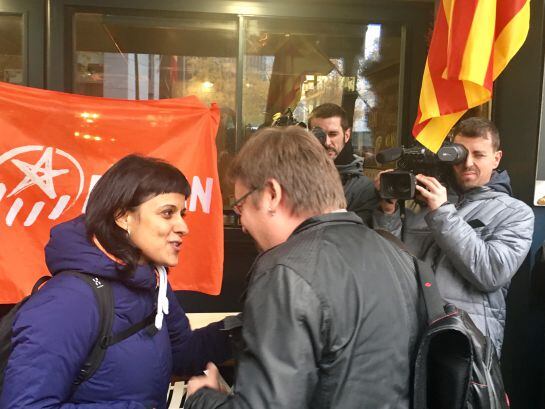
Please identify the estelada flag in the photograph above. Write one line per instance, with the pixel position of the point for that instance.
(55, 146)
(472, 42)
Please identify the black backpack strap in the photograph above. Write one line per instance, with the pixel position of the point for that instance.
(435, 305)
(105, 302)
(41, 281)
(394, 239)
(112, 339)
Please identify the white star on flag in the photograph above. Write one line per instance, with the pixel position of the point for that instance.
(40, 174)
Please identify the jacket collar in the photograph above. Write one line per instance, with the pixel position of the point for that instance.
(334, 217)
(498, 185)
(315, 221)
(310, 223)
(346, 155)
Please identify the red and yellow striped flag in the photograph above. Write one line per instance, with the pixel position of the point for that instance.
(472, 42)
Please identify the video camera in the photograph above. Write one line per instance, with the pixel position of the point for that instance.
(401, 183)
(287, 119)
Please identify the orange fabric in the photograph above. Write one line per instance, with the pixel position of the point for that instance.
(472, 42)
(54, 146)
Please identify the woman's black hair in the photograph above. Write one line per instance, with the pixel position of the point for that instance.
(126, 185)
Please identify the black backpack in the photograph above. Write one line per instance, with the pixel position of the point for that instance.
(456, 366)
(103, 293)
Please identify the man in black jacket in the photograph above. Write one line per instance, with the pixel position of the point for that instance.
(358, 188)
(330, 317)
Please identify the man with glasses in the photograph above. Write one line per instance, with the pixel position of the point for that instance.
(330, 317)
(358, 188)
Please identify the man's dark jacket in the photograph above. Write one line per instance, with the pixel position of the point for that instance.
(329, 322)
(359, 190)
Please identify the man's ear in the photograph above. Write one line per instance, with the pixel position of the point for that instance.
(274, 193)
(497, 158)
(347, 134)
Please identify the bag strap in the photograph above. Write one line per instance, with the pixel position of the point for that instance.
(113, 339)
(105, 301)
(41, 281)
(435, 305)
(394, 239)
(103, 293)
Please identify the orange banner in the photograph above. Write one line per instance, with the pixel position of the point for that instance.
(55, 146)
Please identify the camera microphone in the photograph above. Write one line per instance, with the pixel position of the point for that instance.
(389, 155)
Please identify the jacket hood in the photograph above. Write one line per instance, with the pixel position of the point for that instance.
(69, 249)
(500, 182)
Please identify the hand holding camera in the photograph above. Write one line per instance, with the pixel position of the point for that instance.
(431, 190)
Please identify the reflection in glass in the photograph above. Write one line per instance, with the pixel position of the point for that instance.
(300, 65)
(132, 57)
(11, 49)
(148, 58)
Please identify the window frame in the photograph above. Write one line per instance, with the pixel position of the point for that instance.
(34, 18)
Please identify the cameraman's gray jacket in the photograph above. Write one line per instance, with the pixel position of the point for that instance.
(359, 190)
(474, 246)
(330, 321)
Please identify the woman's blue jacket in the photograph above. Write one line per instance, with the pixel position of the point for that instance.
(55, 330)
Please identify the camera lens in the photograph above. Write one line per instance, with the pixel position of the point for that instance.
(397, 185)
(452, 154)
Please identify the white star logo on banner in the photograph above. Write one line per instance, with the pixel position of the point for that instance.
(40, 174)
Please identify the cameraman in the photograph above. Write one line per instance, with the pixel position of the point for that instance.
(358, 188)
(476, 239)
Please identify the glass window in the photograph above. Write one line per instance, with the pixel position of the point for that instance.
(11, 49)
(287, 64)
(150, 58)
(302, 64)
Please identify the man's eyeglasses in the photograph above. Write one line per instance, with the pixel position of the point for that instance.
(237, 206)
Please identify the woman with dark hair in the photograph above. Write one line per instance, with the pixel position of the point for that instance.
(132, 230)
